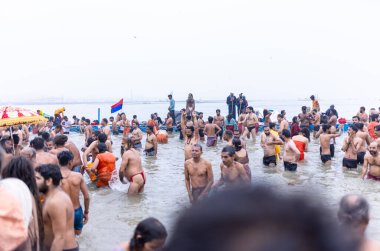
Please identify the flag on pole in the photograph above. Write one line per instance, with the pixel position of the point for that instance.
(118, 106)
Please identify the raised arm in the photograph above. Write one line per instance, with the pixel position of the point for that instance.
(87, 152)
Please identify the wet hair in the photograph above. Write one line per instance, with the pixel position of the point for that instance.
(272, 125)
(362, 108)
(237, 144)
(217, 110)
(280, 116)
(102, 137)
(45, 135)
(199, 146)
(112, 118)
(353, 211)
(354, 128)
(88, 121)
(251, 219)
(210, 119)
(286, 133)
(229, 134)
(105, 120)
(312, 97)
(294, 119)
(65, 157)
(230, 150)
(374, 117)
(60, 140)
(102, 147)
(377, 128)
(359, 125)
(37, 143)
(305, 132)
(250, 108)
(58, 127)
(134, 116)
(48, 171)
(356, 117)
(265, 112)
(283, 112)
(22, 169)
(147, 230)
(150, 128)
(325, 127)
(200, 113)
(304, 108)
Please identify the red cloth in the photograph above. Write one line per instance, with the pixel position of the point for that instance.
(301, 147)
(294, 129)
(371, 129)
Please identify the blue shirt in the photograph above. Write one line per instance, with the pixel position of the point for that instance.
(172, 104)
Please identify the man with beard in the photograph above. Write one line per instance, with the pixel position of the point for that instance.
(7, 144)
(219, 121)
(371, 166)
(190, 134)
(325, 138)
(304, 118)
(201, 126)
(351, 146)
(362, 115)
(250, 121)
(268, 142)
(58, 210)
(366, 140)
(212, 130)
(106, 128)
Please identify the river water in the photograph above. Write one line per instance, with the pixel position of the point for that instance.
(114, 215)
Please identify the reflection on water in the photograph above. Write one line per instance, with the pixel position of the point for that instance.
(113, 215)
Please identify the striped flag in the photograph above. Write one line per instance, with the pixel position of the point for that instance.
(118, 106)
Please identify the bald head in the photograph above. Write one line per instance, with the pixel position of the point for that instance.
(353, 211)
(29, 153)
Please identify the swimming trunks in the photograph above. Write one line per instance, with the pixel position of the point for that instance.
(196, 192)
(316, 128)
(290, 166)
(211, 141)
(332, 150)
(350, 163)
(142, 175)
(250, 128)
(201, 133)
(149, 152)
(325, 158)
(361, 157)
(78, 219)
(371, 177)
(267, 160)
(169, 129)
(72, 249)
(220, 134)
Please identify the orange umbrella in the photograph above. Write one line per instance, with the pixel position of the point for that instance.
(10, 116)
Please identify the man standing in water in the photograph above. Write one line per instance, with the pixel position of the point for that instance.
(351, 146)
(268, 142)
(201, 126)
(212, 130)
(366, 140)
(232, 173)
(250, 121)
(151, 142)
(314, 103)
(291, 152)
(282, 122)
(371, 166)
(172, 107)
(131, 168)
(190, 134)
(73, 184)
(304, 118)
(58, 211)
(198, 175)
(362, 115)
(219, 121)
(316, 120)
(324, 139)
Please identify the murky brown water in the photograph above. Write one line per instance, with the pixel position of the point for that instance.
(114, 215)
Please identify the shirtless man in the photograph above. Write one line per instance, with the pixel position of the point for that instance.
(212, 130)
(371, 166)
(131, 168)
(57, 130)
(87, 130)
(291, 152)
(351, 146)
(6, 145)
(42, 157)
(316, 120)
(325, 138)
(333, 119)
(115, 129)
(30, 154)
(25, 129)
(93, 147)
(169, 123)
(362, 115)
(58, 210)
(190, 134)
(59, 144)
(241, 118)
(268, 142)
(366, 140)
(77, 161)
(106, 128)
(151, 142)
(304, 118)
(250, 121)
(198, 175)
(219, 121)
(228, 137)
(137, 136)
(232, 173)
(282, 122)
(201, 126)
(73, 183)
(237, 135)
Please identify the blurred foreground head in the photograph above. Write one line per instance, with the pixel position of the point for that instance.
(257, 219)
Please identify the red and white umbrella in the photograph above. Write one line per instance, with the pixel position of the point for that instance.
(10, 116)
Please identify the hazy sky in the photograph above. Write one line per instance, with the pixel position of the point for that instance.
(147, 49)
